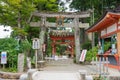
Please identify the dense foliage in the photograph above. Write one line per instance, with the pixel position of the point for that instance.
(10, 46)
(94, 51)
(99, 6)
(16, 13)
(87, 45)
(91, 53)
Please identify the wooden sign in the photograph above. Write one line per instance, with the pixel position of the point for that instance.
(36, 43)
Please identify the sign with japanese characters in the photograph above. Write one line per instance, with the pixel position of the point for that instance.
(83, 55)
(36, 43)
(3, 57)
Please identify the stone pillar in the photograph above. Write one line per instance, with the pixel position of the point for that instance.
(21, 62)
(42, 37)
(77, 39)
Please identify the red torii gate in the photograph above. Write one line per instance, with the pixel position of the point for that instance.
(65, 37)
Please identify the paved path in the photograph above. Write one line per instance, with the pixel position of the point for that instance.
(56, 75)
(60, 70)
(57, 70)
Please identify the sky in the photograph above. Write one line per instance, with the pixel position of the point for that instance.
(4, 34)
(67, 3)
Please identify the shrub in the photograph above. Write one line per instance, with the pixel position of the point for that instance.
(86, 45)
(91, 53)
(9, 45)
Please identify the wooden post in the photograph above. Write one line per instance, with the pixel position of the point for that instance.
(93, 40)
(118, 47)
(97, 66)
(53, 49)
(107, 65)
(36, 58)
(102, 45)
(77, 39)
(118, 43)
(72, 51)
(3, 66)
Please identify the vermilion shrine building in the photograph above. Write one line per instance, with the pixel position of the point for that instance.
(108, 29)
(62, 37)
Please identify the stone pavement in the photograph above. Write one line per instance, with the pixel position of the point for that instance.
(59, 70)
(67, 70)
(56, 75)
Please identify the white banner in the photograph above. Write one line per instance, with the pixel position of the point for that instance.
(3, 57)
(82, 56)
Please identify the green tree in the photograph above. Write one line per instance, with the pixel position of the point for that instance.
(15, 13)
(99, 6)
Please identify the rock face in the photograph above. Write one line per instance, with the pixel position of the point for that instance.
(7, 75)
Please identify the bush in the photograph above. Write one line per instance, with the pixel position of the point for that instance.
(86, 45)
(106, 46)
(14, 70)
(9, 45)
(91, 53)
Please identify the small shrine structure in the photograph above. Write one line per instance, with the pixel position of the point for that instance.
(108, 29)
(62, 37)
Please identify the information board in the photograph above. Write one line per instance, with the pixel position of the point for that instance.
(3, 57)
(36, 44)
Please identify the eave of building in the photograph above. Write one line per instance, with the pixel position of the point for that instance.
(107, 20)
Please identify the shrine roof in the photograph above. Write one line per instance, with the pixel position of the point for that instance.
(108, 18)
(61, 33)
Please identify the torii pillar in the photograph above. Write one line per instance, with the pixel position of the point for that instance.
(77, 39)
(42, 36)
